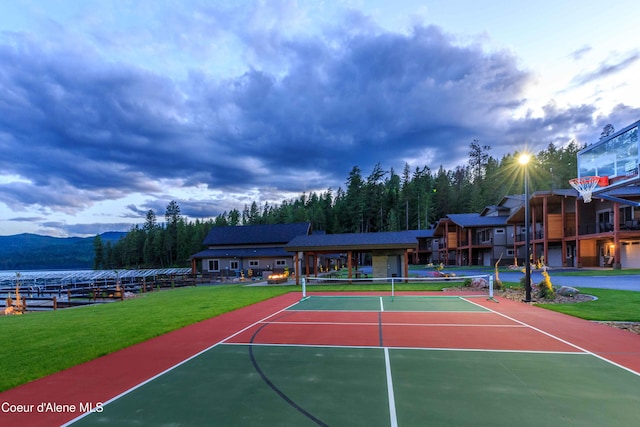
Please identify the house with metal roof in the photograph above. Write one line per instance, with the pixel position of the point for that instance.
(252, 250)
(390, 251)
(472, 239)
(478, 238)
(566, 232)
(427, 251)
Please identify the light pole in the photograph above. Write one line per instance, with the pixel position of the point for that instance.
(524, 161)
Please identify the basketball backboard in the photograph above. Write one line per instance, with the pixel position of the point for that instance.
(616, 157)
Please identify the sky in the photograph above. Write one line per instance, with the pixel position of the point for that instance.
(109, 108)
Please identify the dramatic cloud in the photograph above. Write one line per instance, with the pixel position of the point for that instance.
(249, 103)
(580, 53)
(607, 69)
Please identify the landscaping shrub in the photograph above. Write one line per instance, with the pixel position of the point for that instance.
(545, 288)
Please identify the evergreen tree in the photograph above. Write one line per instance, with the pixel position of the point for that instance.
(234, 217)
(98, 251)
(172, 217)
(150, 221)
(384, 201)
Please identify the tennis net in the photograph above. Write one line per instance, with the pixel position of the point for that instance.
(471, 285)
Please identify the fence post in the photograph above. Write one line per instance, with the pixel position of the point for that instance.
(55, 303)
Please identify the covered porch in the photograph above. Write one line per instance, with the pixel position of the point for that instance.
(389, 251)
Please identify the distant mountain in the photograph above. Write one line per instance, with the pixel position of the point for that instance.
(35, 252)
(110, 236)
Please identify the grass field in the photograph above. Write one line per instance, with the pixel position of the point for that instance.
(611, 305)
(39, 344)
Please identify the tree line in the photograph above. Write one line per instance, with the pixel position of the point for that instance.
(383, 200)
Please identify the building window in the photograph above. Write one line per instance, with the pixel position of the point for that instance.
(499, 230)
(604, 221)
(234, 265)
(281, 263)
(569, 251)
(485, 236)
(254, 263)
(510, 252)
(214, 265)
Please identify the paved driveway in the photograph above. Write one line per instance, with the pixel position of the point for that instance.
(625, 283)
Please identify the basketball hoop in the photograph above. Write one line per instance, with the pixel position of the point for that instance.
(586, 184)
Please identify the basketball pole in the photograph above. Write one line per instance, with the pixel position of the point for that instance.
(524, 160)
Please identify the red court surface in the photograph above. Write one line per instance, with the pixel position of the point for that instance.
(510, 325)
(470, 330)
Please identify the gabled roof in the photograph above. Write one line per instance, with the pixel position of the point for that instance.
(495, 210)
(628, 191)
(422, 234)
(512, 201)
(470, 220)
(353, 241)
(242, 253)
(256, 234)
(477, 220)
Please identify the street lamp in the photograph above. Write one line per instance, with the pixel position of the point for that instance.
(524, 161)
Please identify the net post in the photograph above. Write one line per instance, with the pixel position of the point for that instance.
(393, 289)
(491, 289)
(491, 286)
(304, 288)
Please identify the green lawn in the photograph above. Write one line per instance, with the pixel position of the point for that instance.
(39, 344)
(611, 305)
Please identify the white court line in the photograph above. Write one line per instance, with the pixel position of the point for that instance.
(177, 365)
(392, 400)
(377, 347)
(391, 311)
(562, 340)
(466, 325)
(334, 311)
(419, 297)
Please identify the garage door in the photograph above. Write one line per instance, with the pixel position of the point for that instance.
(630, 254)
(555, 257)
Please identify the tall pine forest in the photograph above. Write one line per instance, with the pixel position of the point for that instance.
(382, 200)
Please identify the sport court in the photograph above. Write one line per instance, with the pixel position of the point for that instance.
(408, 360)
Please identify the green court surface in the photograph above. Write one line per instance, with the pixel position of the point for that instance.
(348, 387)
(305, 385)
(387, 303)
(470, 388)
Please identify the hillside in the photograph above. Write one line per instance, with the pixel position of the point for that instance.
(35, 252)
